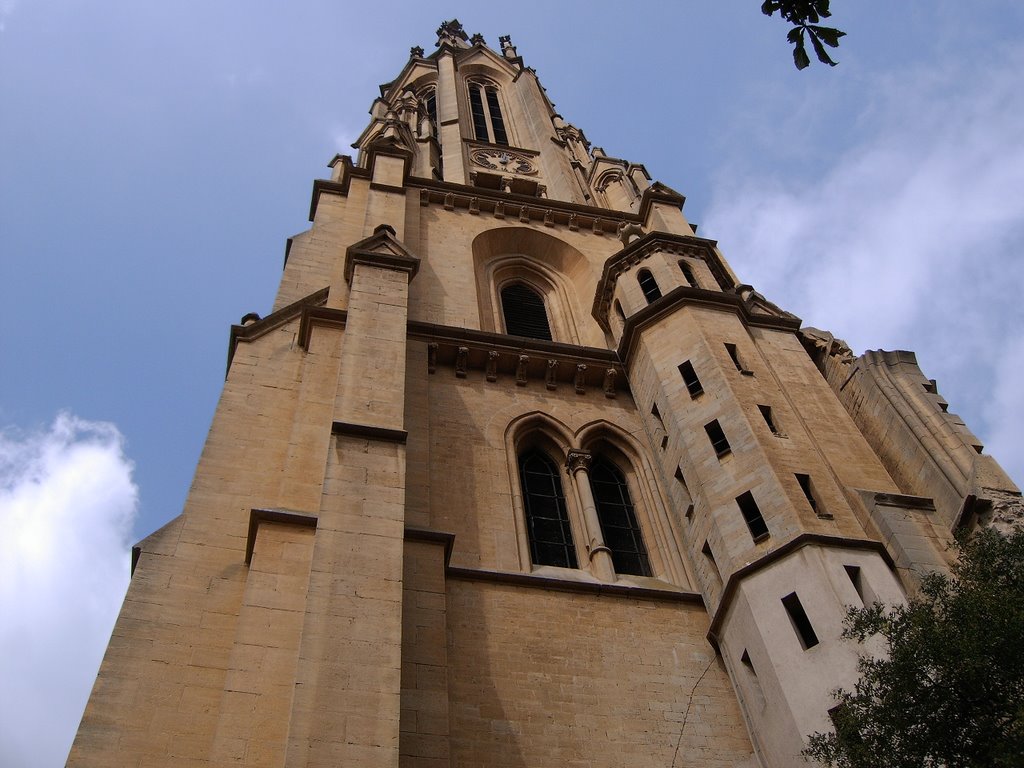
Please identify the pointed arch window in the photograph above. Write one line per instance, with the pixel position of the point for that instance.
(524, 312)
(547, 519)
(648, 285)
(688, 273)
(619, 526)
(429, 100)
(485, 108)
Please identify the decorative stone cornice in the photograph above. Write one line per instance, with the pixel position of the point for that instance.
(640, 249)
(519, 360)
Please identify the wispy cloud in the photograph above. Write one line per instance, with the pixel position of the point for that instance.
(911, 239)
(67, 504)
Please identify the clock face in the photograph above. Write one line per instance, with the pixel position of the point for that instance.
(503, 160)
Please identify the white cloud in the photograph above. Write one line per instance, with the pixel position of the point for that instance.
(911, 239)
(67, 505)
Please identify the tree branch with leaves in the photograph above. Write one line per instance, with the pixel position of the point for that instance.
(805, 15)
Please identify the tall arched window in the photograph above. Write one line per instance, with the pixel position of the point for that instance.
(547, 519)
(523, 309)
(428, 98)
(648, 285)
(488, 124)
(615, 512)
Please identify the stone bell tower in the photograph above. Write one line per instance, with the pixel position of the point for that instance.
(516, 472)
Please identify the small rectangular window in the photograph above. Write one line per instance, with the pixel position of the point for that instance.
(801, 623)
(717, 438)
(808, 489)
(769, 419)
(752, 515)
(690, 379)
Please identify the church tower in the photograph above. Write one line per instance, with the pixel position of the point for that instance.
(517, 472)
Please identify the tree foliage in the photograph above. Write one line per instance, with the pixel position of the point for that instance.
(950, 693)
(804, 15)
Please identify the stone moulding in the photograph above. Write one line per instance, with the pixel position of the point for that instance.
(369, 432)
(249, 331)
(285, 516)
(684, 295)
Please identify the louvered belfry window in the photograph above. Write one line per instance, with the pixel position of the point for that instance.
(524, 312)
(488, 124)
(618, 518)
(547, 520)
(648, 285)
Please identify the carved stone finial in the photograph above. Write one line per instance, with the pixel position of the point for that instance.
(576, 460)
(477, 39)
(416, 51)
(507, 49)
(451, 32)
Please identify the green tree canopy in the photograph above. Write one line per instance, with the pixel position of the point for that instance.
(950, 692)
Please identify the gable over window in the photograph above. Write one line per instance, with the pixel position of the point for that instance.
(547, 519)
(524, 312)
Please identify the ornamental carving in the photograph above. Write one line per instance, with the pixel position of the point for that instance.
(504, 161)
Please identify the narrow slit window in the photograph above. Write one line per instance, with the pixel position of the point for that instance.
(717, 438)
(686, 493)
(745, 659)
(689, 375)
(734, 355)
(524, 312)
(769, 419)
(853, 571)
(547, 519)
(812, 499)
(798, 616)
(648, 285)
(688, 274)
(619, 525)
(710, 556)
(752, 516)
(661, 426)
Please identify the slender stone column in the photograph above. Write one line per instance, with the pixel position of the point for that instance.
(578, 465)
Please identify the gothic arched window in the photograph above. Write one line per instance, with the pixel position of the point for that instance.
(485, 108)
(428, 97)
(523, 309)
(619, 525)
(547, 519)
(648, 285)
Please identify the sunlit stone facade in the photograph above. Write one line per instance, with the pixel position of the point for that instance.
(517, 472)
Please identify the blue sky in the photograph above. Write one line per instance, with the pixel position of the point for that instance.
(155, 157)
